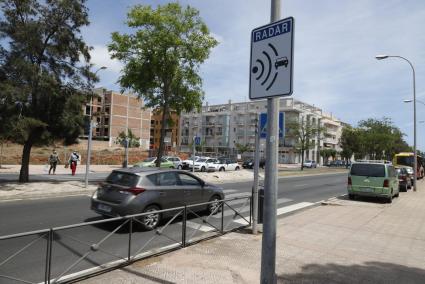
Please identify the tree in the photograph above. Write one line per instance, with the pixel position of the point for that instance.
(349, 142)
(304, 132)
(242, 148)
(380, 139)
(42, 72)
(162, 58)
(133, 141)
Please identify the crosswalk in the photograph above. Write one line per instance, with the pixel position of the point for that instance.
(242, 206)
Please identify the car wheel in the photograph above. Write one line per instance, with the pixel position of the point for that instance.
(179, 167)
(390, 198)
(215, 206)
(351, 196)
(221, 169)
(237, 169)
(151, 220)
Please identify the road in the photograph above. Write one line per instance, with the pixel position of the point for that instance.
(70, 244)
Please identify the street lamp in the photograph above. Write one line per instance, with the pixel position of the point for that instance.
(415, 155)
(86, 180)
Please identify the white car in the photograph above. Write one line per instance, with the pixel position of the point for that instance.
(203, 164)
(227, 165)
(175, 160)
(186, 163)
(310, 164)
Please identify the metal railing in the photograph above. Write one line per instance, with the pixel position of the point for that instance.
(70, 253)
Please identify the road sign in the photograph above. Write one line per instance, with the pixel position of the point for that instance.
(271, 65)
(263, 125)
(197, 140)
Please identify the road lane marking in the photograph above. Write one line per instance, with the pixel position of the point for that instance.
(226, 191)
(299, 185)
(199, 227)
(293, 207)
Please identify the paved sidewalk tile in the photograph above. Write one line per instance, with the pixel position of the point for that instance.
(345, 241)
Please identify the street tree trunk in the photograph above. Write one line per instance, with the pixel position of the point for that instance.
(24, 173)
(302, 159)
(161, 139)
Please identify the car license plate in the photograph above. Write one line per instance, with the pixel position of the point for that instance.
(366, 189)
(103, 207)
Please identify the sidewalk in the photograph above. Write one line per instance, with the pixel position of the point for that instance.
(341, 241)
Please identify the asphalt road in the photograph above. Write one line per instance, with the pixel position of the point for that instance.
(71, 244)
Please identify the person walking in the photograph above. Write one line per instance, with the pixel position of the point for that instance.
(73, 161)
(53, 161)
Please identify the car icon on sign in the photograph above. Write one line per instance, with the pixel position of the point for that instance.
(281, 61)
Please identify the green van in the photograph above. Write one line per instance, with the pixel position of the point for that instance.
(373, 178)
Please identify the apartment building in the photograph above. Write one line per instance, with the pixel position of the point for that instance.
(171, 131)
(221, 127)
(114, 113)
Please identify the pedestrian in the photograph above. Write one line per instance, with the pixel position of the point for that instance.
(53, 161)
(73, 161)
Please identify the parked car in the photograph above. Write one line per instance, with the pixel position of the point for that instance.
(151, 162)
(175, 160)
(373, 178)
(404, 178)
(226, 165)
(249, 164)
(140, 190)
(186, 163)
(310, 164)
(203, 164)
(410, 172)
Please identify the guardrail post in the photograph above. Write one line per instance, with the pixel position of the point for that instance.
(48, 256)
(130, 233)
(184, 226)
(222, 217)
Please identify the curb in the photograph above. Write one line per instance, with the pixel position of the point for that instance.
(53, 195)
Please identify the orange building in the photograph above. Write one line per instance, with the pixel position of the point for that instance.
(171, 131)
(116, 112)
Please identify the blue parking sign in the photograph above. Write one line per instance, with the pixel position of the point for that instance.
(197, 140)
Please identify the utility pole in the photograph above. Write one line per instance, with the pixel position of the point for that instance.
(268, 251)
(125, 164)
(86, 179)
(256, 170)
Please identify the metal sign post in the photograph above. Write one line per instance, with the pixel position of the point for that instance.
(271, 68)
(255, 186)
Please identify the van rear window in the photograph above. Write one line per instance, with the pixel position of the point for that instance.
(368, 170)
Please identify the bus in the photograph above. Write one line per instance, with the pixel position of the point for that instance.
(406, 159)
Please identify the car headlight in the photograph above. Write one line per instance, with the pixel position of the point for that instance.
(250, 164)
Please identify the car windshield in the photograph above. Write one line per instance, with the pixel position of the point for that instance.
(201, 160)
(148, 160)
(368, 170)
(308, 161)
(124, 179)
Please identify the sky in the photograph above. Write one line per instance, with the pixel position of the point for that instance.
(334, 53)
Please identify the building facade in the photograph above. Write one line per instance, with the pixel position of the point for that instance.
(222, 127)
(171, 131)
(114, 113)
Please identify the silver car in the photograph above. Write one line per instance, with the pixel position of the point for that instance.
(140, 190)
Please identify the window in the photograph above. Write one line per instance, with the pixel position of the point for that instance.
(99, 109)
(87, 110)
(167, 179)
(368, 170)
(124, 179)
(186, 179)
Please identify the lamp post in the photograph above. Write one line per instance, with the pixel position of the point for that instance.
(86, 180)
(415, 155)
